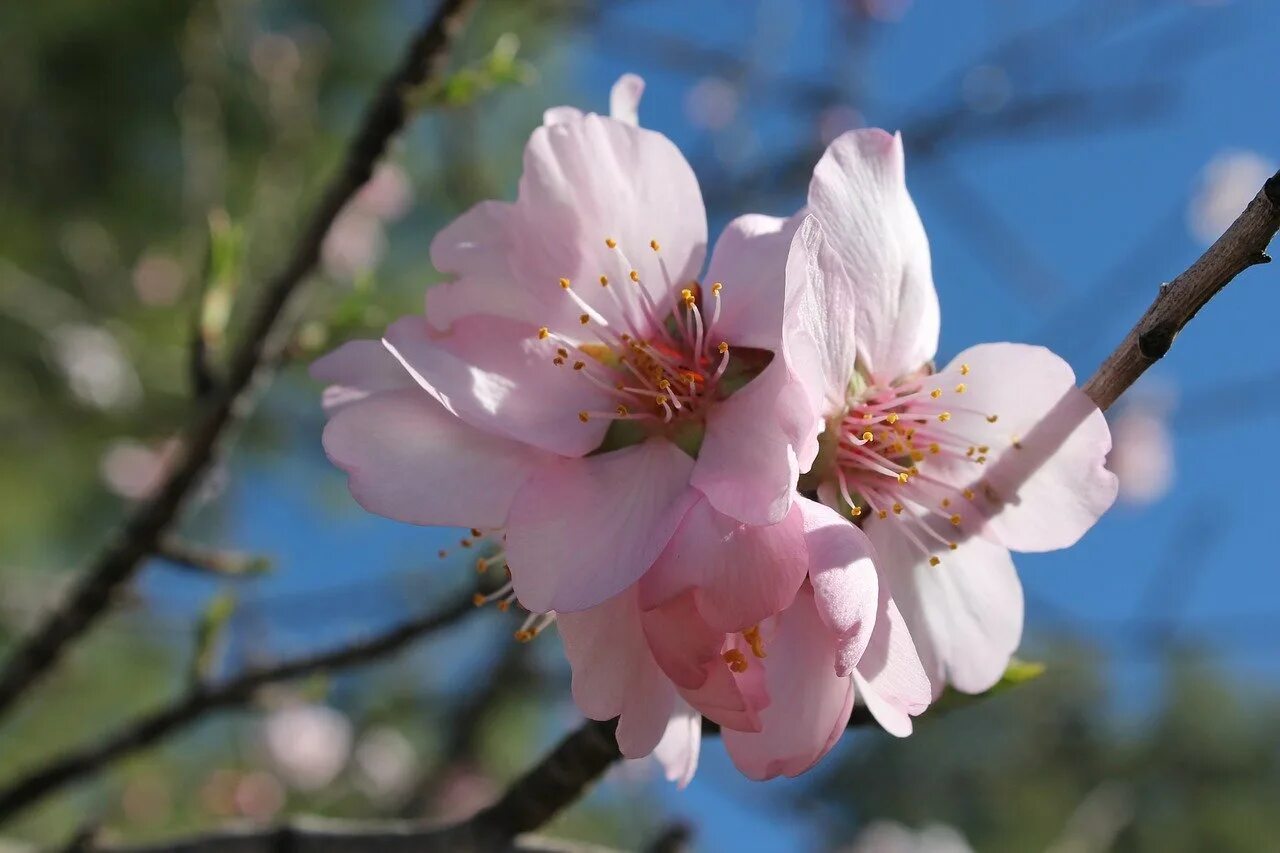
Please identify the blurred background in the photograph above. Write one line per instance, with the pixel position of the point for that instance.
(156, 160)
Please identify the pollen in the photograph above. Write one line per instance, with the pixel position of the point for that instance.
(955, 521)
(686, 296)
(610, 242)
(723, 347)
(968, 494)
(604, 281)
(578, 365)
(753, 638)
(634, 276)
(946, 502)
(558, 360)
(953, 545)
(884, 513)
(892, 418)
(960, 388)
(717, 287)
(736, 660)
(992, 418)
(564, 283)
(898, 508)
(478, 598)
(653, 244)
(867, 436)
(583, 416)
(933, 561)
(943, 417)
(543, 333)
(584, 319)
(904, 477)
(523, 636)
(855, 511)
(935, 448)
(964, 370)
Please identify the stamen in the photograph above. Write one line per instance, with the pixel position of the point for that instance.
(736, 660)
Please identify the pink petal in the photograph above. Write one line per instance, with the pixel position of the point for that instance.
(889, 677)
(586, 178)
(498, 376)
(810, 704)
(677, 752)
(689, 651)
(743, 574)
(820, 318)
(614, 675)
(859, 195)
(583, 530)
(756, 444)
(1049, 491)
(409, 459)
(965, 614)
(750, 259)
(560, 115)
(624, 98)
(843, 573)
(357, 369)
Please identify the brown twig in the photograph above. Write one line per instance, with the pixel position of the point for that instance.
(1243, 245)
(267, 333)
(206, 560)
(201, 700)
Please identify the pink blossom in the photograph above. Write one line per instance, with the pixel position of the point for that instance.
(573, 386)
(1142, 457)
(946, 469)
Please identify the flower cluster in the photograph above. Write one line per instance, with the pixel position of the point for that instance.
(747, 496)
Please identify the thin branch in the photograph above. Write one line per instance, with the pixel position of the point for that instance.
(1243, 245)
(267, 333)
(200, 700)
(207, 560)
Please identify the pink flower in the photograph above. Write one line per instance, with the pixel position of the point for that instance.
(573, 385)
(1142, 458)
(947, 469)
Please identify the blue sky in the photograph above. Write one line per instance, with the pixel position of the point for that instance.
(1080, 203)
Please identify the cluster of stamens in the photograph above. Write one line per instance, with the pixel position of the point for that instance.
(736, 659)
(660, 359)
(886, 441)
(504, 596)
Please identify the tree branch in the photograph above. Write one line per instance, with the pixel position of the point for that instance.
(1241, 246)
(206, 560)
(268, 331)
(203, 699)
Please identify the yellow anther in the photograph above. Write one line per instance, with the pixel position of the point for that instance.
(883, 514)
(584, 417)
(558, 360)
(664, 384)
(917, 456)
(953, 545)
(543, 333)
(867, 436)
(935, 393)
(946, 502)
(933, 561)
(661, 400)
(855, 511)
(578, 365)
(970, 451)
(753, 638)
(717, 287)
(904, 477)
(653, 244)
(622, 410)
(736, 660)
(1017, 443)
(964, 370)
(477, 532)
(634, 276)
(604, 281)
(723, 347)
(562, 352)
(944, 417)
(968, 494)
(504, 605)
(584, 319)
(564, 283)
(465, 543)
(960, 388)
(478, 599)
(981, 460)
(955, 521)
(898, 508)
(983, 448)
(523, 636)
(892, 418)
(992, 418)
(686, 296)
(934, 448)
(610, 242)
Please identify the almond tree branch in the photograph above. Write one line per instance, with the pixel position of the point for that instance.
(1241, 246)
(201, 700)
(207, 560)
(267, 333)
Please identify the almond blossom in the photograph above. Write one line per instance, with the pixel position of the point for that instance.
(946, 469)
(573, 385)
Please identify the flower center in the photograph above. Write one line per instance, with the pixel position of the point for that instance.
(909, 450)
(660, 360)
